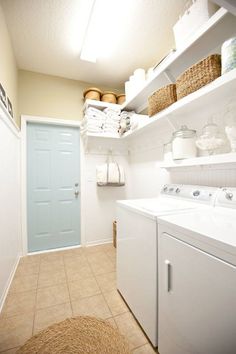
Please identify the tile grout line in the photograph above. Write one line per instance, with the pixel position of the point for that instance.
(112, 316)
(36, 296)
(101, 291)
(67, 284)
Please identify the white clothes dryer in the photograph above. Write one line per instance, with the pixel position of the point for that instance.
(197, 279)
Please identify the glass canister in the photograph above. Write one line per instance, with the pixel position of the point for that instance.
(230, 129)
(228, 55)
(211, 139)
(184, 143)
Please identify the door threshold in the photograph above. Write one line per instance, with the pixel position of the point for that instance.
(54, 250)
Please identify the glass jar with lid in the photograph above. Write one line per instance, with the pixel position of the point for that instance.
(184, 143)
(228, 55)
(211, 139)
(230, 129)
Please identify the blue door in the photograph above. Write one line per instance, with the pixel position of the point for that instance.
(53, 199)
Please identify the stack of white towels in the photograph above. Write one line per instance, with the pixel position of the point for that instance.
(112, 121)
(101, 122)
(93, 121)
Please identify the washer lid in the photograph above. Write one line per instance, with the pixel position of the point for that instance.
(154, 207)
(213, 230)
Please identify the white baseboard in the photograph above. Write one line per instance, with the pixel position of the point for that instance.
(99, 242)
(54, 250)
(90, 243)
(5, 292)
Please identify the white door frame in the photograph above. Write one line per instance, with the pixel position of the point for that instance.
(44, 120)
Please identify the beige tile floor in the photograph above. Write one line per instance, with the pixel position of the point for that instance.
(50, 287)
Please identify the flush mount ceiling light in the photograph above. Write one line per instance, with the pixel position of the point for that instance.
(102, 29)
(88, 52)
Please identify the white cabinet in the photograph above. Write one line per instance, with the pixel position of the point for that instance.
(197, 301)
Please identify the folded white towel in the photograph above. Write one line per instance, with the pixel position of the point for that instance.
(112, 126)
(115, 110)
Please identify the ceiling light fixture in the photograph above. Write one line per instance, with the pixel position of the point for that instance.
(88, 52)
(102, 30)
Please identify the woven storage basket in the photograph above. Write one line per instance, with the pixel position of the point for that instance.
(92, 93)
(109, 97)
(198, 75)
(161, 99)
(120, 98)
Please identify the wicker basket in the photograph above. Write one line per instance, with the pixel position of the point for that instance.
(120, 98)
(161, 99)
(198, 75)
(109, 97)
(114, 233)
(92, 93)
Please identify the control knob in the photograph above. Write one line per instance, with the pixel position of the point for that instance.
(229, 195)
(196, 193)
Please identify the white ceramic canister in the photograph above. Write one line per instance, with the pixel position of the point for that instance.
(137, 81)
(184, 143)
(128, 90)
(139, 74)
(149, 74)
(228, 55)
(134, 85)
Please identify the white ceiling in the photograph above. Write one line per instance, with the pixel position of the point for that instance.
(47, 36)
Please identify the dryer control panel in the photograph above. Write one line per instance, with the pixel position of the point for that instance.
(202, 194)
(226, 198)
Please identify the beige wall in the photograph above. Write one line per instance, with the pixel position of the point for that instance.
(50, 96)
(8, 68)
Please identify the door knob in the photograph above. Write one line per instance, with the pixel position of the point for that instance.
(76, 193)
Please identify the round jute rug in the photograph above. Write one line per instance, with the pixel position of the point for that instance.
(79, 335)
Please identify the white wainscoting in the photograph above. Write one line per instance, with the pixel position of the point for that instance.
(10, 196)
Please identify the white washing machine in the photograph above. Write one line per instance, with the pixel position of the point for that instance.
(197, 280)
(137, 246)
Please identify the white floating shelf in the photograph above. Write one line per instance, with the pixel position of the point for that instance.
(221, 159)
(100, 105)
(220, 90)
(102, 135)
(208, 39)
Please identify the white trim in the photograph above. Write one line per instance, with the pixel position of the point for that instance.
(9, 121)
(55, 250)
(23, 186)
(44, 120)
(82, 193)
(50, 120)
(6, 290)
(99, 242)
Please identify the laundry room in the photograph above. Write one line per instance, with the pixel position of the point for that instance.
(118, 176)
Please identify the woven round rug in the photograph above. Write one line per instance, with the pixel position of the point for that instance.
(79, 335)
